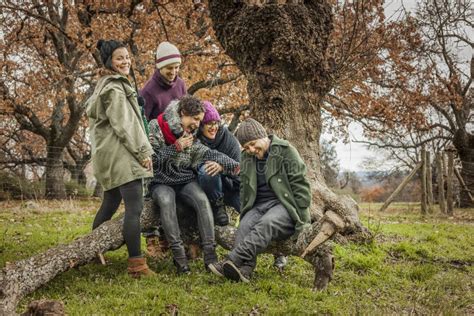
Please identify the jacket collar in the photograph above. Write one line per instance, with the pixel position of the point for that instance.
(173, 119)
(276, 141)
(274, 160)
(158, 78)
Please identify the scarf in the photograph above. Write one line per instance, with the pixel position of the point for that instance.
(225, 142)
(166, 130)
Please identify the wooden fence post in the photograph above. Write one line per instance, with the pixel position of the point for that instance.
(440, 180)
(423, 181)
(429, 181)
(450, 191)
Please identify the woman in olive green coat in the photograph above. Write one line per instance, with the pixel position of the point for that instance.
(121, 153)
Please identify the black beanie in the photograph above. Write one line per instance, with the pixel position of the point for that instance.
(106, 48)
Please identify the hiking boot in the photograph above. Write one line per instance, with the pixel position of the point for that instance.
(238, 274)
(217, 268)
(280, 262)
(220, 215)
(137, 268)
(156, 247)
(182, 267)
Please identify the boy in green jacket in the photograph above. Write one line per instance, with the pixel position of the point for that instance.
(275, 198)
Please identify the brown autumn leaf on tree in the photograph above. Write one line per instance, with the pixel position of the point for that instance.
(49, 67)
(408, 79)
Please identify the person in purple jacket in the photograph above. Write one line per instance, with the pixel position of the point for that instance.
(163, 87)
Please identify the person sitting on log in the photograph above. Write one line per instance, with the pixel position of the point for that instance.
(177, 154)
(121, 153)
(275, 195)
(220, 189)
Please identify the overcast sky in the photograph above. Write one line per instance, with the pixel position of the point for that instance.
(352, 154)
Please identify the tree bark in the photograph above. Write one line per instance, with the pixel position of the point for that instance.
(449, 180)
(423, 182)
(440, 180)
(25, 276)
(467, 174)
(54, 174)
(464, 143)
(281, 48)
(463, 184)
(429, 182)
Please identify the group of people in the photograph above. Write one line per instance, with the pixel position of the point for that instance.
(179, 144)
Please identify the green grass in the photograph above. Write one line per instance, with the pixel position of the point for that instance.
(415, 264)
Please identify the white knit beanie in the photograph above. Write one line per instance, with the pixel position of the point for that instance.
(166, 54)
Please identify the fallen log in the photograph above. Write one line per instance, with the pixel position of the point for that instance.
(21, 278)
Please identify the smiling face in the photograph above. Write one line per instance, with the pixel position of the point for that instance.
(257, 147)
(209, 130)
(191, 122)
(121, 61)
(169, 72)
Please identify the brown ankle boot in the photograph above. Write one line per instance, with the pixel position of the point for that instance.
(138, 268)
(156, 247)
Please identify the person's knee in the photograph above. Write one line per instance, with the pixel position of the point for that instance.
(204, 176)
(268, 223)
(164, 198)
(202, 170)
(202, 202)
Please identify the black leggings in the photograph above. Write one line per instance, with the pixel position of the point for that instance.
(132, 194)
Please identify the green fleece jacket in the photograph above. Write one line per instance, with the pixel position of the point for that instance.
(286, 175)
(118, 138)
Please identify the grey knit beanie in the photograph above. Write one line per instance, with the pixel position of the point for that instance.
(250, 130)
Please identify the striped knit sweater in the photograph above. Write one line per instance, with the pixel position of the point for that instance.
(173, 167)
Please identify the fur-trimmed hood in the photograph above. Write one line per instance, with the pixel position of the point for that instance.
(173, 118)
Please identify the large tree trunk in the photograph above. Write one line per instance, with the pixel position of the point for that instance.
(467, 174)
(25, 276)
(282, 50)
(281, 47)
(54, 174)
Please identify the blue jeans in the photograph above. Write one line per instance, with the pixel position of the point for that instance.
(218, 187)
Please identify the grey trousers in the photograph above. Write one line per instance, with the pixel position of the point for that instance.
(261, 225)
(192, 194)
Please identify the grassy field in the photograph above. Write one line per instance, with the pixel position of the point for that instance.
(415, 265)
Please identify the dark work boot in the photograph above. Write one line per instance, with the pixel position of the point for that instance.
(210, 256)
(181, 267)
(220, 215)
(180, 261)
